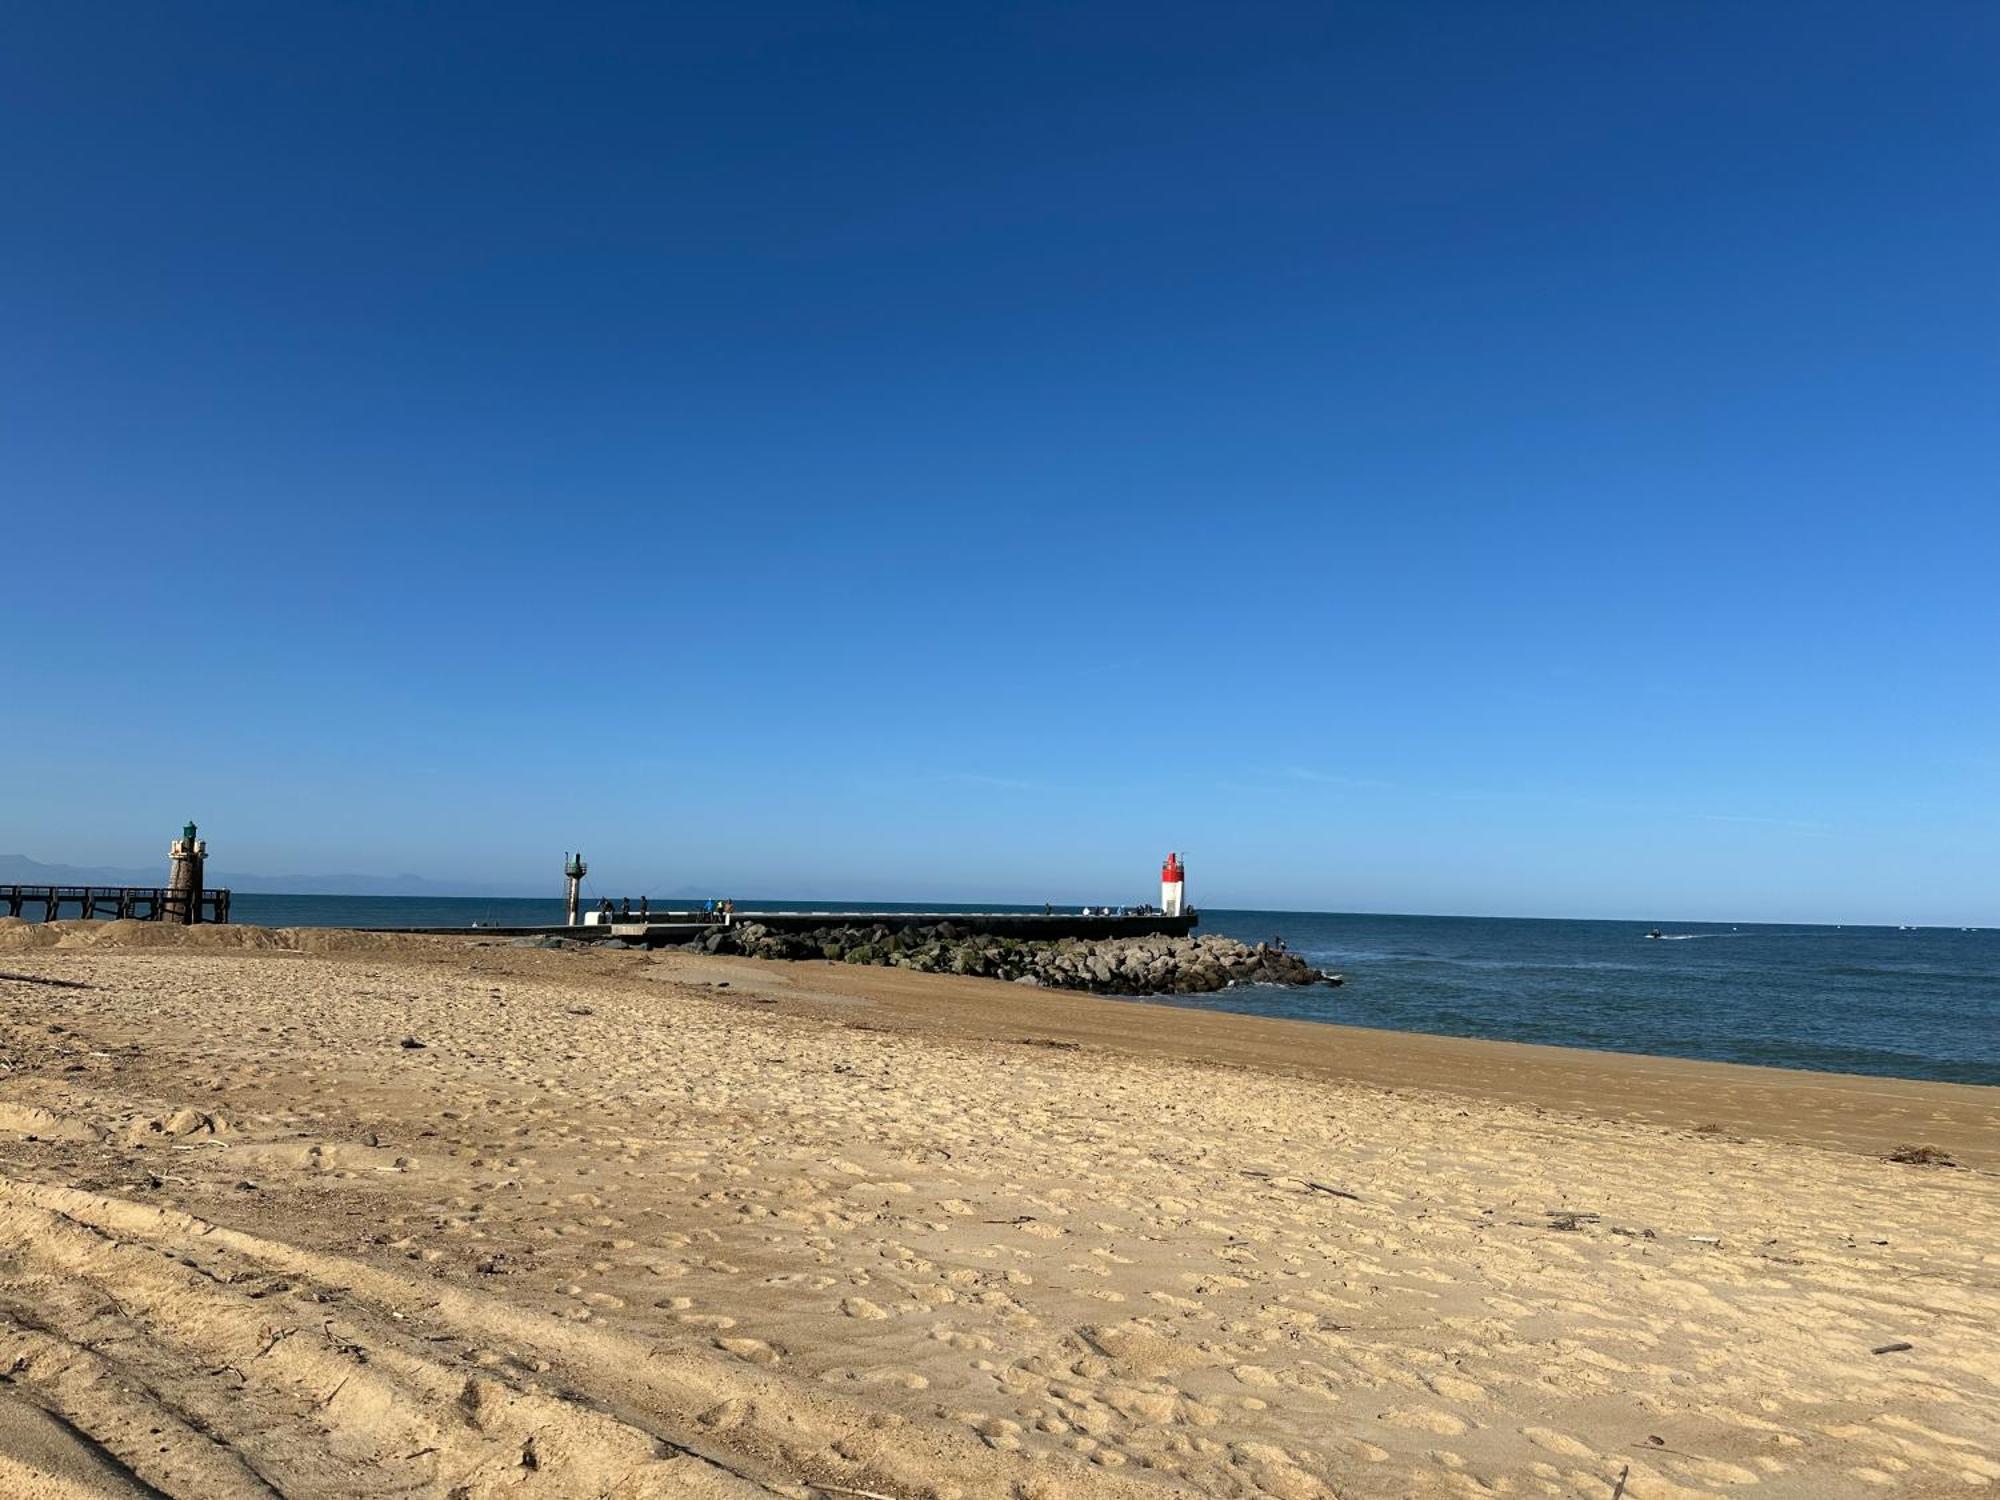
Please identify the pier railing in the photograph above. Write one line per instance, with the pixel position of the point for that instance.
(143, 903)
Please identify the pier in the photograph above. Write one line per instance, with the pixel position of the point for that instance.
(1040, 926)
(656, 929)
(182, 900)
(123, 903)
(610, 922)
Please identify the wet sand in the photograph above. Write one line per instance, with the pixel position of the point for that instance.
(412, 1216)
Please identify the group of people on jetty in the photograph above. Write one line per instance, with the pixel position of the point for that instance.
(624, 913)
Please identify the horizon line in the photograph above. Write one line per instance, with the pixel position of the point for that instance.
(1291, 911)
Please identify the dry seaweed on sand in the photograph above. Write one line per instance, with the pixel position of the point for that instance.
(1921, 1156)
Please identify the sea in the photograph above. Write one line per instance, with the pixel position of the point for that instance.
(1895, 1002)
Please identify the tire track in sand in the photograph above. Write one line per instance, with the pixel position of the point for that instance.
(205, 1362)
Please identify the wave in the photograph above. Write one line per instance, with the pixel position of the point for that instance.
(1906, 972)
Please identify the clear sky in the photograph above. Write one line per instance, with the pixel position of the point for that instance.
(1434, 457)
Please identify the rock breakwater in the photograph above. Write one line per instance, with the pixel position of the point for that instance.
(1116, 966)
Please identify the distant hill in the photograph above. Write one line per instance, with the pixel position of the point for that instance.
(18, 869)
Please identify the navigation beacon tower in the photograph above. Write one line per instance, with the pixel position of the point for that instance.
(1173, 887)
(574, 869)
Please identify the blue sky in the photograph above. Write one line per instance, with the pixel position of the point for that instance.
(1453, 458)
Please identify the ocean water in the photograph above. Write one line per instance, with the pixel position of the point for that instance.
(1919, 1004)
(1905, 1004)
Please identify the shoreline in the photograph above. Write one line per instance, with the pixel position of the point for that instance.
(1857, 1112)
(1868, 1114)
(1882, 1009)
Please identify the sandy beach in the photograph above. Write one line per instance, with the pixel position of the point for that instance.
(313, 1215)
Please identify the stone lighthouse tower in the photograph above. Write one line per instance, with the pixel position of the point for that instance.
(574, 869)
(187, 855)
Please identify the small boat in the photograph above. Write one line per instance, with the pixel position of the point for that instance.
(1655, 933)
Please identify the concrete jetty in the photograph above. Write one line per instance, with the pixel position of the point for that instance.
(1173, 917)
(660, 928)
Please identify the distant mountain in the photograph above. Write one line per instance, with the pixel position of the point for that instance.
(18, 869)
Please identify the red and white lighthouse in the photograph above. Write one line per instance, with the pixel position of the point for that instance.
(1173, 887)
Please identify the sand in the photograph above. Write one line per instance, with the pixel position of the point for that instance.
(416, 1217)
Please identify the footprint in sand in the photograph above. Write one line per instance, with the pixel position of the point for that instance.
(1453, 1388)
(1426, 1419)
(1557, 1442)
